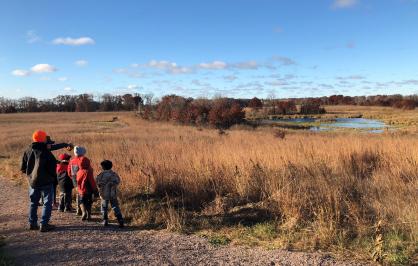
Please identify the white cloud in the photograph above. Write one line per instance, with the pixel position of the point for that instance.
(68, 89)
(74, 41)
(213, 65)
(20, 73)
(62, 79)
(170, 67)
(81, 62)
(132, 87)
(338, 4)
(32, 37)
(43, 68)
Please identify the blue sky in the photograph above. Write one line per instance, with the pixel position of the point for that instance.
(235, 48)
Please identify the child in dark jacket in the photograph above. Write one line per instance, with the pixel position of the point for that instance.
(65, 183)
(107, 182)
(86, 187)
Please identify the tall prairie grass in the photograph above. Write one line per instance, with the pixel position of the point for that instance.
(318, 190)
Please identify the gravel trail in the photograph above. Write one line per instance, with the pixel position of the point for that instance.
(79, 243)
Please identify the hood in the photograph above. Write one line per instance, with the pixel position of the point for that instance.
(85, 163)
(64, 157)
(62, 168)
(38, 146)
(79, 151)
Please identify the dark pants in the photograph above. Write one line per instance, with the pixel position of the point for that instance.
(115, 207)
(54, 194)
(35, 195)
(87, 201)
(65, 200)
(66, 189)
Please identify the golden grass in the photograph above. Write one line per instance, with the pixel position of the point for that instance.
(310, 190)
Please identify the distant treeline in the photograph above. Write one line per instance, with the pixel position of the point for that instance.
(172, 107)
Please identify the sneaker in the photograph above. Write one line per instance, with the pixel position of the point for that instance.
(34, 227)
(46, 227)
(61, 210)
(68, 209)
(105, 222)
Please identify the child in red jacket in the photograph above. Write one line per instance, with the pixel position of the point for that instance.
(73, 168)
(86, 187)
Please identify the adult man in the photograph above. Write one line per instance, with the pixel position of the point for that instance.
(39, 164)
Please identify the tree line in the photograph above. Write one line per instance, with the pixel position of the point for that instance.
(217, 112)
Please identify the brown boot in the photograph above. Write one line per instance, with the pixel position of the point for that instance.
(84, 212)
(79, 212)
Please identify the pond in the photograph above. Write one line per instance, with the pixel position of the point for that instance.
(369, 125)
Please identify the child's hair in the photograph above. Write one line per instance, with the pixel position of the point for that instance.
(106, 165)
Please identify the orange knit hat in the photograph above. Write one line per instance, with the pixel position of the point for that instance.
(39, 136)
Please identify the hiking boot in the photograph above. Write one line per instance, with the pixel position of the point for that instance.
(84, 212)
(121, 223)
(105, 222)
(46, 227)
(61, 210)
(69, 209)
(34, 227)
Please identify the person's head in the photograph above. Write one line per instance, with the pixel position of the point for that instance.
(49, 140)
(64, 157)
(79, 151)
(106, 165)
(39, 136)
(85, 163)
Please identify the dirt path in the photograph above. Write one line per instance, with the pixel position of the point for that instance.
(78, 243)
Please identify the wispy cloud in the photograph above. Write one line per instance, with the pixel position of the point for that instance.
(213, 65)
(20, 73)
(285, 61)
(32, 37)
(62, 79)
(352, 77)
(74, 41)
(169, 67)
(341, 4)
(278, 29)
(81, 63)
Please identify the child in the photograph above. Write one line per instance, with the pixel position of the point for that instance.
(107, 182)
(86, 187)
(73, 168)
(65, 183)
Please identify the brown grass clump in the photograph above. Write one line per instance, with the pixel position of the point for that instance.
(307, 191)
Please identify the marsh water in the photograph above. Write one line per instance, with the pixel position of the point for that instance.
(370, 125)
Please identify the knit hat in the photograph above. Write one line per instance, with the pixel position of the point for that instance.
(79, 151)
(39, 136)
(64, 157)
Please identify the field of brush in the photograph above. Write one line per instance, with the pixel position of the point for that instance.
(349, 193)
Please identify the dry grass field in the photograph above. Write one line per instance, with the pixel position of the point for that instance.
(353, 194)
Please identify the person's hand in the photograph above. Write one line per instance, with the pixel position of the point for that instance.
(70, 147)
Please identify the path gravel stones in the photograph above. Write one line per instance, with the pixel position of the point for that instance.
(79, 243)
